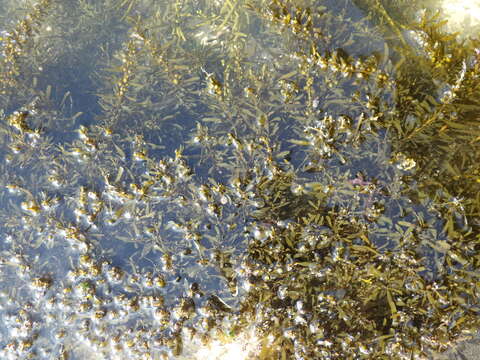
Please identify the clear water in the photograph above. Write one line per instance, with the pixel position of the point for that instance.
(148, 148)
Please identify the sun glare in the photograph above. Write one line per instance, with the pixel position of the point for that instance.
(239, 348)
(219, 351)
(462, 15)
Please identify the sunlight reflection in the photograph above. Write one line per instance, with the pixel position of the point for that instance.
(462, 15)
(241, 347)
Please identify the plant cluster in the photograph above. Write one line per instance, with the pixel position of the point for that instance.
(304, 172)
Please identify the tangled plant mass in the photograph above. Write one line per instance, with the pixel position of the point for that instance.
(265, 179)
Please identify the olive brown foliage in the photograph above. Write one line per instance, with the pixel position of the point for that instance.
(179, 172)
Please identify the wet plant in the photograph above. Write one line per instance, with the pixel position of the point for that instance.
(300, 176)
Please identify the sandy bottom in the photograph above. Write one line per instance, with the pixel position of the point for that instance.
(465, 350)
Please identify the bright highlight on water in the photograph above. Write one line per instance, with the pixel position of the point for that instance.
(462, 13)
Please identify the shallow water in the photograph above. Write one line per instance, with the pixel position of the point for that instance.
(216, 179)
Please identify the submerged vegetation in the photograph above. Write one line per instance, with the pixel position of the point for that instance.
(300, 175)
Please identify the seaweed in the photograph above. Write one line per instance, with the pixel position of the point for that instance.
(299, 179)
